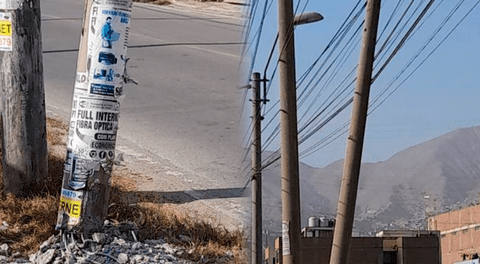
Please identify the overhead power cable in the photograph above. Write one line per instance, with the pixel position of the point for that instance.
(335, 110)
(402, 42)
(341, 32)
(317, 127)
(342, 130)
(429, 54)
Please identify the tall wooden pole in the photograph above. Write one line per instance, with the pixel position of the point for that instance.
(22, 104)
(256, 172)
(353, 158)
(289, 140)
(97, 95)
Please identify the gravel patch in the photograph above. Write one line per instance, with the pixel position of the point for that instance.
(117, 244)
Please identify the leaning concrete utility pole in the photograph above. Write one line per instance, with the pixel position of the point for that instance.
(100, 76)
(289, 140)
(353, 157)
(22, 104)
(256, 171)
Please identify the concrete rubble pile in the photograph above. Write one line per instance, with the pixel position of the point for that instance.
(117, 244)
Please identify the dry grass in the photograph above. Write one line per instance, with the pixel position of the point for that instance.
(32, 218)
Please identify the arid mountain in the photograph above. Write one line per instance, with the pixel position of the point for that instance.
(424, 179)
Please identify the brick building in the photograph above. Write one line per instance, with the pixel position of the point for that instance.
(459, 232)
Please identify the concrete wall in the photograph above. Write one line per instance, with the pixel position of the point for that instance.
(364, 250)
(315, 250)
(370, 250)
(421, 250)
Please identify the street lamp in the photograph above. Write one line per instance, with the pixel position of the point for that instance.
(303, 18)
(308, 17)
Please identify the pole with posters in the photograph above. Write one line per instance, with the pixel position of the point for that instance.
(22, 103)
(100, 76)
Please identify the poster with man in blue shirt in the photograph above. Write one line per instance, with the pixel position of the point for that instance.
(108, 34)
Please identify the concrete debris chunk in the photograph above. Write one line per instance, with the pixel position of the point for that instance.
(137, 245)
(120, 248)
(137, 259)
(99, 237)
(122, 258)
(45, 258)
(118, 241)
(4, 247)
(168, 249)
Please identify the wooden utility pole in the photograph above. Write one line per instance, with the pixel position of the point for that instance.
(353, 158)
(256, 172)
(289, 140)
(22, 104)
(101, 74)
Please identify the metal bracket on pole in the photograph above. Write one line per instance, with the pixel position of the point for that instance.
(264, 81)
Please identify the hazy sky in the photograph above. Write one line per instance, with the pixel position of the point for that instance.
(442, 95)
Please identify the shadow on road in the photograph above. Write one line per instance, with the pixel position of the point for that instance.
(158, 45)
(180, 197)
(216, 20)
(61, 19)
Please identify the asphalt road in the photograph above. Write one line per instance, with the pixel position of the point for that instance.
(184, 114)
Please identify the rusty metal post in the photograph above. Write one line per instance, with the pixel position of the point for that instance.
(97, 94)
(256, 171)
(22, 104)
(353, 157)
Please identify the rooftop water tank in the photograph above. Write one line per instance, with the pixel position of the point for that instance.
(313, 222)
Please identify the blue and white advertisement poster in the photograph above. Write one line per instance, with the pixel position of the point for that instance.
(94, 125)
(107, 49)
